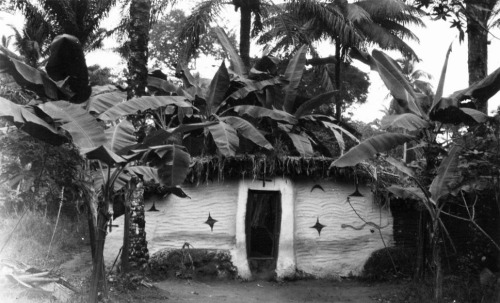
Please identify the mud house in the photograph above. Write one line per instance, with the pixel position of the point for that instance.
(290, 215)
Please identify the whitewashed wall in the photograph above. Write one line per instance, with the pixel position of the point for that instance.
(336, 251)
(181, 220)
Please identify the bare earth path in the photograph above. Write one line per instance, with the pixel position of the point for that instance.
(77, 270)
(260, 291)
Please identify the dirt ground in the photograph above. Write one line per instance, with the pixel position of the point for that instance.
(311, 291)
(262, 291)
(78, 269)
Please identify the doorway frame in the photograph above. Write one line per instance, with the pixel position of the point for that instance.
(286, 262)
(276, 225)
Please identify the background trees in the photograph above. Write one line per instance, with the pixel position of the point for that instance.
(474, 18)
(47, 19)
(243, 109)
(167, 51)
(347, 25)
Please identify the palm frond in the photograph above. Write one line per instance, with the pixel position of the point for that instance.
(196, 25)
(328, 18)
(389, 9)
(383, 38)
(356, 13)
(398, 30)
(287, 31)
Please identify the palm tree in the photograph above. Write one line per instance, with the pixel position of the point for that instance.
(138, 47)
(198, 23)
(348, 25)
(479, 13)
(48, 19)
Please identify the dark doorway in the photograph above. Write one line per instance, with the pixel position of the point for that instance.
(262, 227)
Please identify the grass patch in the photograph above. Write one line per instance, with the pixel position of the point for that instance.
(30, 240)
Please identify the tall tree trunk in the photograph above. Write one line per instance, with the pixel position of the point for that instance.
(337, 82)
(139, 37)
(138, 74)
(139, 254)
(245, 25)
(478, 13)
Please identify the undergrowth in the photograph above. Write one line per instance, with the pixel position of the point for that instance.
(396, 264)
(29, 241)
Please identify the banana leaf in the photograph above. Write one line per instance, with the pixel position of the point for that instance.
(439, 90)
(225, 138)
(120, 136)
(217, 89)
(247, 130)
(145, 173)
(260, 112)
(163, 85)
(449, 110)
(103, 98)
(135, 105)
(33, 79)
(253, 86)
(407, 192)
(87, 133)
(390, 72)
(105, 155)
(313, 103)
(370, 147)
(302, 144)
(174, 165)
(400, 166)
(448, 174)
(30, 123)
(293, 74)
(333, 126)
(408, 121)
(235, 59)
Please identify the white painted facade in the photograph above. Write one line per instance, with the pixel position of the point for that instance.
(340, 249)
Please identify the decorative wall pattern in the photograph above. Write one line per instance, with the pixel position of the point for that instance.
(341, 247)
(181, 220)
(337, 251)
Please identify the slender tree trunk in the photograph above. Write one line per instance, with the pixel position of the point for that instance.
(139, 37)
(436, 256)
(245, 25)
(92, 222)
(126, 240)
(420, 261)
(478, 13)
(337, 82)
(98, 279)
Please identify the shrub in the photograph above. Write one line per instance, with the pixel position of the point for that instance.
(380, 266)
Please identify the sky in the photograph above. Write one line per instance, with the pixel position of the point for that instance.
(435, 39)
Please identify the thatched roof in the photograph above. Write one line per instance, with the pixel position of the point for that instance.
(218, 168)
(213, 168)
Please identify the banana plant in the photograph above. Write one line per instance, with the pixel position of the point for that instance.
(287, 116)
(114, 148)
(443, 110)
(426, 126)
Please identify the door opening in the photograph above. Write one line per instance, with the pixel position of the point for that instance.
(262, 227)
